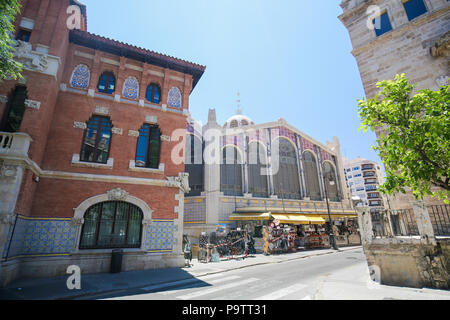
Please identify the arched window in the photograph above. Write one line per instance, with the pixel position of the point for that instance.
(148, 147)
(257, 177)
(96, 140)
(329, 174)
(174, 98)
(285, 179)
(107, 83)
(131, 88)
(234, 124)
(14, 110)
(231, 172)
(194, 164)
(311, 176)
(80, 77)
(153, 93)
(112, 224)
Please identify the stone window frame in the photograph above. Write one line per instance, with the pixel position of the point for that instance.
(111, 195)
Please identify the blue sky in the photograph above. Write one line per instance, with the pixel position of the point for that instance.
(290, 59)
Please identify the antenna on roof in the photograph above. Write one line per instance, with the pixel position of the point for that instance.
(239, 108)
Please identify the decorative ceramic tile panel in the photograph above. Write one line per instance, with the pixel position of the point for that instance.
(325, 155)
(174, 98)
(42, 237)
(258, 135)
(307, 145)
(159, 236)
(283, 132)
(80, 77)
(195, 212)
(131, 88)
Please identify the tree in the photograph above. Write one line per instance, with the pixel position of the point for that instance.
(8, 67)
(414, 143)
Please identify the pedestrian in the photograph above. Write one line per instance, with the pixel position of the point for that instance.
(187, 252)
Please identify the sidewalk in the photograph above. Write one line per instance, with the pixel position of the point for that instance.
(92, 284)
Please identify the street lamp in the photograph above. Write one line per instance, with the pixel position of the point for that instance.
(332, 182)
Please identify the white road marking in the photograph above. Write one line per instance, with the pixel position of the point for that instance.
(282, 293)
(215, 289)
(181, 282)
(184, 288)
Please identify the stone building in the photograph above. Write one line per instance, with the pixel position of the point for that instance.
(392, 37)
(247, 176)
(85, 149)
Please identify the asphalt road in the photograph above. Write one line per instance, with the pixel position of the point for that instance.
(301, 279)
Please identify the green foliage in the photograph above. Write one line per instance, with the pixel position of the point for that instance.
(415, 140)
(8, 67)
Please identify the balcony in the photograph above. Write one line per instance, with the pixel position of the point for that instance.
(367, 167)
(375, 203)
(368, 174)
(14, 145)
(373, 196)
(370, 181)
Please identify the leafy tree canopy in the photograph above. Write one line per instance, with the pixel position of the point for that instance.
(414, 142)
(8, 67)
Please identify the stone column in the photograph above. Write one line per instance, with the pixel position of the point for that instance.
(212, 157)
(365, 225)
(423, 222)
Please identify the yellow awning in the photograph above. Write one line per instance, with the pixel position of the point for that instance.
(298, 219)
(250, 216)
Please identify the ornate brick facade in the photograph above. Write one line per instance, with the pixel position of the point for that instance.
(43, 209)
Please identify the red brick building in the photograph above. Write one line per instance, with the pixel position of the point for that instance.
(85, 149)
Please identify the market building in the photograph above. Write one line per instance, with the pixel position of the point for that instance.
(85, 149)
(249, 186)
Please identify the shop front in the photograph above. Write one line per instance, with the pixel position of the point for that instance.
(289, 232)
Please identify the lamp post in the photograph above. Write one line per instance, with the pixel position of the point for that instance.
(332, 240)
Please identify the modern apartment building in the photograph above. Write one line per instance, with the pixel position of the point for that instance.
(363, 179)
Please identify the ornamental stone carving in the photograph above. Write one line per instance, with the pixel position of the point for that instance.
(79, 125)
(75, 221)
(181, 182)
(133, 133)
(441, 47)
(30, 60)
(165, 138)
(102, 111)
(8, 171)
(118, 131)
(7, 219)
(117, 194)
(33, 104)
(442, 81)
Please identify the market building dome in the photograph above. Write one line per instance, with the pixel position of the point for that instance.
(237, 121)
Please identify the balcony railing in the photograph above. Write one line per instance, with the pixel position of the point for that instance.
(14, 144)
(370, 181)
(367, 167)
(368, 174)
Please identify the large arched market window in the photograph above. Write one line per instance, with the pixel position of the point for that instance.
(311, 176)
(231, 172)
(112, 224)
(257, 165)
(331, 180)
(286, 179)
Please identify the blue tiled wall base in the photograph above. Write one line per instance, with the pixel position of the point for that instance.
(160, 236)
(33, 237)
